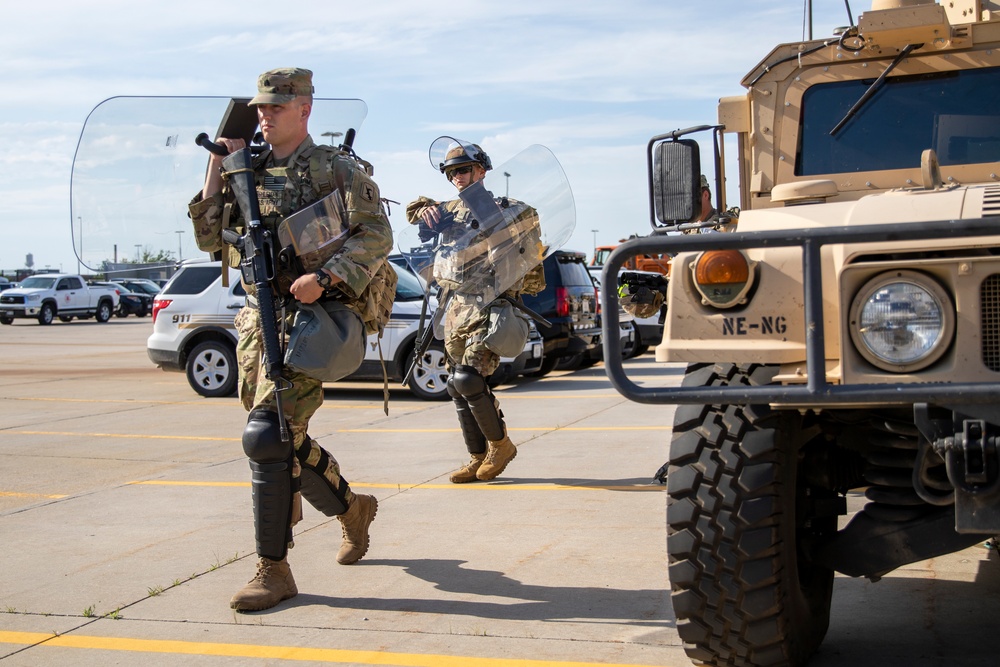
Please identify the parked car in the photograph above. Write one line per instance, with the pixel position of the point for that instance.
(193, 332)
(139, 285)
(139, 304)
(569, 302)
(5, 284)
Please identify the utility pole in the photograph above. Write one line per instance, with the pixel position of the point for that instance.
(595, 242)
(180, 257)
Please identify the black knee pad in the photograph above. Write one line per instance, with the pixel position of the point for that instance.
(467, 381)
(475, 441)
(262, 441)
(315, 487)
(483, 405)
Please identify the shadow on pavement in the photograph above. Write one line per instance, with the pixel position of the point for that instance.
(648, 608)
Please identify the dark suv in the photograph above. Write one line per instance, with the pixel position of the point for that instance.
(569, 301)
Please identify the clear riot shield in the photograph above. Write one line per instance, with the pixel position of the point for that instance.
(519, 214)
(137, 166)
(316, 232)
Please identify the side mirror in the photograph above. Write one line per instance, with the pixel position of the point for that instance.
(676, 181)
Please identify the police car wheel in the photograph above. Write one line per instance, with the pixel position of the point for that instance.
(430, 379)
(211, 369)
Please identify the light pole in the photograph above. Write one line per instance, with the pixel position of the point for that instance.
(595, 243)
(180, 257)
(137, 246)
(507, 175)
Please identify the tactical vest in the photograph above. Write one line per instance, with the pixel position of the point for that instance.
(284, 190)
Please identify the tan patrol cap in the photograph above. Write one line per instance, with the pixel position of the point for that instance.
(281, 86)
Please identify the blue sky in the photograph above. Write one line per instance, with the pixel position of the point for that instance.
(593, 81)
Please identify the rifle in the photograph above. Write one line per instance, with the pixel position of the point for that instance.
(258, 255)
(426, 335)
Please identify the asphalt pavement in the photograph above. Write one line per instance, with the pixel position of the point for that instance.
(126, 523)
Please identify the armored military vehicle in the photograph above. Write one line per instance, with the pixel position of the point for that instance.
(845, 340)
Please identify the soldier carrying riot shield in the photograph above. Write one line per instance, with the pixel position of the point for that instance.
(486, 252)
(305, 225)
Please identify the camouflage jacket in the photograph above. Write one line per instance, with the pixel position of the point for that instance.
(312, 172)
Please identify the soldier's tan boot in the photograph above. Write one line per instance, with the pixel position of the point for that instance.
(355, 522)
(498, 455)
(467, 473)
(272, 584)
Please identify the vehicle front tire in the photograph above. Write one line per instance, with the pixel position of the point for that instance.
(738, 524)
(46, 314)
(6, 320)
(211, 369)
(430, 379)
(122, 311)
(103, 313)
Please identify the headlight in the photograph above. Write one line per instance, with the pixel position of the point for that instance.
(723, 277)
(34, 297)
(902, 321)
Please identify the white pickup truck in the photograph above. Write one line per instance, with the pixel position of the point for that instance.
(47, 296)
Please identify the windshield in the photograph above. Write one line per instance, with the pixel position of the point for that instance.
(38, 283)
(955, 113)
(409, 287)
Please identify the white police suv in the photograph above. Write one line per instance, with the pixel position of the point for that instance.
(193, 332)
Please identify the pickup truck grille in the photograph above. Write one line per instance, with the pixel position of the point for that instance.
(989, 304)
(11, 299)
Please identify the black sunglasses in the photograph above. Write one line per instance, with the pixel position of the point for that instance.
(459, 170)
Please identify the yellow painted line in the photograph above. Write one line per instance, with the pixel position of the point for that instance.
(133, 436)
(203, 402)
(14, 494)
(109, 400)
(297, 653)
(507, 486)
(203, 438)
(160, 482)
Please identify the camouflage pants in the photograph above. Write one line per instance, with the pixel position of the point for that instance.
(464, 345)
(299, 403)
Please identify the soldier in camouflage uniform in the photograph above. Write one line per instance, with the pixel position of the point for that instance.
(294, 173)
(470, 360)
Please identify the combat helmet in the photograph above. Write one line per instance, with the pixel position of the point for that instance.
(457, 153)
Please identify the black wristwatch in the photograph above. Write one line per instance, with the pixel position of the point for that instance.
(324, 279)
